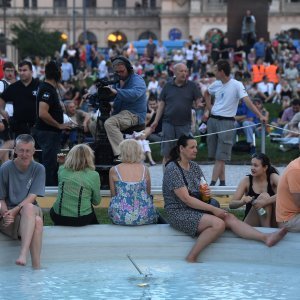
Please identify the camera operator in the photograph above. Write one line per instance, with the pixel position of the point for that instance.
(130, 103)
(50, 121)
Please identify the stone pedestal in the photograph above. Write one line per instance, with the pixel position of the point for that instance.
(236, 10)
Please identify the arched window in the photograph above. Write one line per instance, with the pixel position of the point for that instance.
(90, 36)
(295, 33)
(146, 35)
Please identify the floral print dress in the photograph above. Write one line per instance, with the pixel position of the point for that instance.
(132, 205)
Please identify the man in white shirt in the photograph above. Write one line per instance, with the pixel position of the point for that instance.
(220, 126)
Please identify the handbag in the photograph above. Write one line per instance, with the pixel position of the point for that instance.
(197, 194)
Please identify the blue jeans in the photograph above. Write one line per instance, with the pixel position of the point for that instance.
(49, 142)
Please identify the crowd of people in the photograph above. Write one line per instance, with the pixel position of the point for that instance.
(159, 97)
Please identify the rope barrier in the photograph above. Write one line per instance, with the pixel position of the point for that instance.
(208, 134)
(196, 136)
(284, 129)
(234, 129)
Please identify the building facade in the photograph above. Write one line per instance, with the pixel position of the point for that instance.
(103, 20)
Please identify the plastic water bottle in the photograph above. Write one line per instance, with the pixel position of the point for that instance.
(203, 188)
(260, 211)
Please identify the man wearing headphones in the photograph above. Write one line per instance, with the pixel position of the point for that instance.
(130, 103)
(50, 121)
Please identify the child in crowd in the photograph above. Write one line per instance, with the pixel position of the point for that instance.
(141, 139)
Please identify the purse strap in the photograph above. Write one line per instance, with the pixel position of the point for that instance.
(181, 171)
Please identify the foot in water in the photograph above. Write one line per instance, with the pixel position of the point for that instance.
(274, 237)
(21, 261)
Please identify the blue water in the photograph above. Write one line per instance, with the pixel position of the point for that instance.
(168, 280)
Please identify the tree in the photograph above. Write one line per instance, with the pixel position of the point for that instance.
(32, 40)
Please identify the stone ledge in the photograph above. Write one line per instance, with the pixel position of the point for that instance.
(98, 242)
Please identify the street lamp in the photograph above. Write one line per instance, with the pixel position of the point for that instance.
(84, 20)
(74, 22)
(5, 4)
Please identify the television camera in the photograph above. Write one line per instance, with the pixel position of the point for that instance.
(103, 152)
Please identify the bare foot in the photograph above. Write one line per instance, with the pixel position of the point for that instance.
(191, 259)
(275, 237)
(21, 261)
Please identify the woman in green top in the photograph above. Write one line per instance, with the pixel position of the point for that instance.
(78, 189)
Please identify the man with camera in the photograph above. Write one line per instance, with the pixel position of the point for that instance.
(130, 103)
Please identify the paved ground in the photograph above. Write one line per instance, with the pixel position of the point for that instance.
(234, 173)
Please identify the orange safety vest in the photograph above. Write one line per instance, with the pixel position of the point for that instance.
(271, 73)
(258, 72)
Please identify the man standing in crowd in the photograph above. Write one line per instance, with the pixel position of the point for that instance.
(21, 181)
(9, 76)
(227, 94)
(130, 103)
(248, 29)
(288, 197)
(175, 108)
(50, 121)
(150, 50)
(22, 94)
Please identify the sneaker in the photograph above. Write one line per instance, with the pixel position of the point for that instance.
(139, 135)
(128, 136)
(282, 148)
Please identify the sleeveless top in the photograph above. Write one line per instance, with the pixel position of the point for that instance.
(251, 193)
(132, 205)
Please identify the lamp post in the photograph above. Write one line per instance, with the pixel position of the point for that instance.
(5, 4)
(74, 23)
(84, 20)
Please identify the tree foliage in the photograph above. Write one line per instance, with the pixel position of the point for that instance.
(31, 39)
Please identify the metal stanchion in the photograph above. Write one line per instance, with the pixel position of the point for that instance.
(263, 138)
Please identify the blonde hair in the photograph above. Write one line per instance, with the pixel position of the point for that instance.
(79, 158)
(131, 151)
